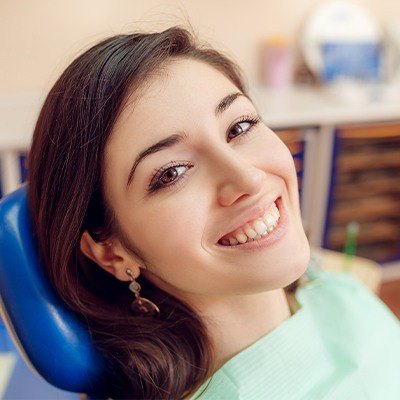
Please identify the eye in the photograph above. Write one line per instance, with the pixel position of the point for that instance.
(243, 127)
(168, 175)
(171, 174)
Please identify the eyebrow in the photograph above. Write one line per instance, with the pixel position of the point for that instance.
(174, 139)
(226, 102)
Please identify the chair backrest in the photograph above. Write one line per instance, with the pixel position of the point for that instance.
(53, 340)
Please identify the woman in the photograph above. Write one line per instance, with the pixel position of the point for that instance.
(150, 168)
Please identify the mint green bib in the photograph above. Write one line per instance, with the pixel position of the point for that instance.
(343, 343)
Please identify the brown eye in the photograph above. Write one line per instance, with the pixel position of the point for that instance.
(171, 174)
(239, 129)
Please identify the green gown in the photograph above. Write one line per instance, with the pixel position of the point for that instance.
(343, 343)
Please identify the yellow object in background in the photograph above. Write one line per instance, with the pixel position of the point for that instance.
(367, 271)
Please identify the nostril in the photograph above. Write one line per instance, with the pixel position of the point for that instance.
(243, 197)
(240, 187)
(230, 195)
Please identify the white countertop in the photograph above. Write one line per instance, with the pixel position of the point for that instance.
(338, 105)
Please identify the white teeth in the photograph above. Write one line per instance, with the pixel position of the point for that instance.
(259, 226)
(241, 237)
(232, 241)
(250, 232)
(269, 220)
(258, 229)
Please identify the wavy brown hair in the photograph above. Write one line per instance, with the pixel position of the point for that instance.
(168, 357)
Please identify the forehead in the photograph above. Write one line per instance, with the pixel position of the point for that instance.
(181, 89)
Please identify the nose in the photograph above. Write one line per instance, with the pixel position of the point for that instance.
(238, 179)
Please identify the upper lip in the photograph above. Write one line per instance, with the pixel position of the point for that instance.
(249, 214)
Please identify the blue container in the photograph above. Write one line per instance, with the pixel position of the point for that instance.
(356, 60)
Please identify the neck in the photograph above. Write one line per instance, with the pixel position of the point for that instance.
(236, 322)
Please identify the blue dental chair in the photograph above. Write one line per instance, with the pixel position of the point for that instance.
(51, 339)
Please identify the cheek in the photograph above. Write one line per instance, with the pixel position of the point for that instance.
(169, 228)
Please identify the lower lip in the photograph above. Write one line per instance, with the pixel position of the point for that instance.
(267, 240)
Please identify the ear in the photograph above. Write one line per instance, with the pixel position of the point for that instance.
(111, 256)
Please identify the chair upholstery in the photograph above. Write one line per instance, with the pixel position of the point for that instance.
(56, 342)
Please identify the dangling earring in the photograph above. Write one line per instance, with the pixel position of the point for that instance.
(140, 304)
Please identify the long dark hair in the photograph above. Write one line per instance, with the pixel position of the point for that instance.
(169, 357)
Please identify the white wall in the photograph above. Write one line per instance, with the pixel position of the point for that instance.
(38, 38)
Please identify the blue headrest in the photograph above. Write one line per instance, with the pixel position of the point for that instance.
(56, 342)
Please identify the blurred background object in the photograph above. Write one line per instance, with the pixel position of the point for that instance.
(393, 53)
(277, 59)
(343, 40)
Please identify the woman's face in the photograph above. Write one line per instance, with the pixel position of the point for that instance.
(205, 170)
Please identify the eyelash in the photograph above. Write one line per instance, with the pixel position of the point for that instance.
(156, 184)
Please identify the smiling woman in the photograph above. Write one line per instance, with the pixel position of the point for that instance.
(150, 168)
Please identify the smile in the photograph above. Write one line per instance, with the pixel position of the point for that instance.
(253, 230)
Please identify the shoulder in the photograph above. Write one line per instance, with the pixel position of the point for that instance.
(359, 331)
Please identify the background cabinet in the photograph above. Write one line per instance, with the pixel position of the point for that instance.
(365, 187)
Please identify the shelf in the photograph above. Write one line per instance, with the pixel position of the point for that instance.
(371, 187)
(369, 233)
(353, 162)
(365, 209)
